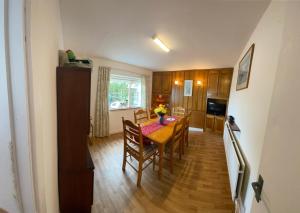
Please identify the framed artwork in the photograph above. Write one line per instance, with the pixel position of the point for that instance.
(245, 69)
(188, 87)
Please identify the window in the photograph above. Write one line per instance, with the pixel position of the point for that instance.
(125, 92)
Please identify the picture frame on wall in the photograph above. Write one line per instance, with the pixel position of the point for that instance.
(188, 87)
(245, 69)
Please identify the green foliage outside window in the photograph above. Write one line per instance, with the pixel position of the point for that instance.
(124, 93)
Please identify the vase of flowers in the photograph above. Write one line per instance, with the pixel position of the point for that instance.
(161, 110)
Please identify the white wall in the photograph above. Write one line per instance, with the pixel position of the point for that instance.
(8, 190)
(45, 39)
(115, 117)
(280, 157)
(250, 106)
(19, 106)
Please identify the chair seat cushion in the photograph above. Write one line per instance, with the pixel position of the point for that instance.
(146, 141)
(149, 149)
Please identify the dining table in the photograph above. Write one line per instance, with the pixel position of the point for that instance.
(159, 134)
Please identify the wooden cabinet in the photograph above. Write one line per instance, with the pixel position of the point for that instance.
(212, 83)
(224, 84)
(162, 82)
(161, 85)
(218, 87)
(210, 122)
(156, 82)
(166, 82)
(219, 82)
(219, 124)
(197, 119)
(75, 165)
(214, 123)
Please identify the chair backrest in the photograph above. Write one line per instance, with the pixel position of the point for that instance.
(140, 116)
(132, 134)
(152, 113)
(178, 131)
(178, 111)
(187, 120)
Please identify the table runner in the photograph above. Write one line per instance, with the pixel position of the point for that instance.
(152, 127)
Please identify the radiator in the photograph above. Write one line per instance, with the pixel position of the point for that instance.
(235, 162)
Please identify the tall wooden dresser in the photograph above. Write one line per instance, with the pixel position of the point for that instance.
(75, 165)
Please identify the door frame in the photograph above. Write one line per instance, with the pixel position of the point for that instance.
(17, 70)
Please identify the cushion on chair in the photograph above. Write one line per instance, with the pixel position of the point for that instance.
(146, 141)
(148, 149)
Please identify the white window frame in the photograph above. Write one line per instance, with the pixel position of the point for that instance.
(131, 79)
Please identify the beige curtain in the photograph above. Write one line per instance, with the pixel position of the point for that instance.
(145, 92)
(102, 111)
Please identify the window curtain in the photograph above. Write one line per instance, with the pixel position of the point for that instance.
(143, 93)
(102, 111)
(147, 91)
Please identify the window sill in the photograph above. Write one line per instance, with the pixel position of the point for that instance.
(124, 109)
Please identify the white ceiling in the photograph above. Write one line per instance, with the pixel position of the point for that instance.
(200, 34)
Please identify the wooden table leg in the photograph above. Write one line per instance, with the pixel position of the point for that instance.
(161, 156)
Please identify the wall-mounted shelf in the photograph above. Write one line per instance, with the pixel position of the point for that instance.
(234, 127)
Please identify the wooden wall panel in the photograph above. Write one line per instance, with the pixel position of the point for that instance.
(177, 90)
(188, 100)
(204, 77)
(199, 91)
(164, 83)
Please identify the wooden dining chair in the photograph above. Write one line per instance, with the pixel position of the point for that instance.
(152, 113)
(134, 147)
(178, 111)
(186, 132)
(140, 116)
(176, 142)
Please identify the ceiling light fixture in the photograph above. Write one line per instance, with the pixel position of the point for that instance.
(160, 44)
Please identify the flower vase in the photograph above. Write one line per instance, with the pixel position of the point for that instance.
(161, 119)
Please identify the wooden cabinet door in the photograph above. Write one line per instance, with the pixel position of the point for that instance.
(73, 116)
(224, 84)
(166, 82)
(213, 81)
(197, 119)
(156, 82)
(219, 124)
(210, 122)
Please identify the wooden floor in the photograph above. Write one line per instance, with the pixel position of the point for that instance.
(199, 184)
